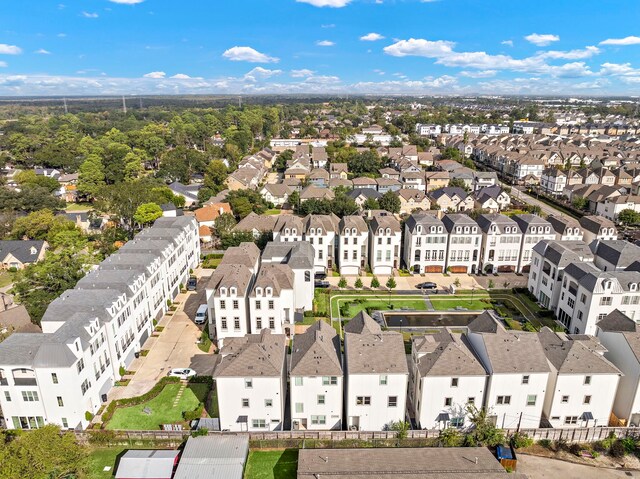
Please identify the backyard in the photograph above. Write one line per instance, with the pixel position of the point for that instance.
(102, 457)
(167, 407)
(281, 464)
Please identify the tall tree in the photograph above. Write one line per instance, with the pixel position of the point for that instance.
(91, 177)
(390, 202)
(147, 213)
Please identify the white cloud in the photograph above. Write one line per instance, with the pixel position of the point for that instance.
(587, 52)
(371, 37)
(181, 76)
(325, 43)
(304, 72)
(259, 73)
(479, 74)
(618, 69)
(429, 1)
(419, 47)
(322, 79)
(328, 25)
(42, 51)
(61, 35)
(508, 43)
(542, 40)
(248, 54)
(3, 64)
(378, 71)
(9, 49)
(89, 15)
(155, 75)
(127, 2)
(621, 41)
(326, 3)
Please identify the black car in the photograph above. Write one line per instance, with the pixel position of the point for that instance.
(321, 284)
(427, 285)
(192, 283)
(320, 276)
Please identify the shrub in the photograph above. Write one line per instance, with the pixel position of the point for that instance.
(13, 269)
(629, 445)
(358, 283)
(308, 314)
(374, 282)
(450, 437)
(617, 449)
(575, 449)
(200, 432)
(201, 380)
(560, 445)
(88, 415)
(195, 414)
(342, 283)
(102, 437)
(520, 440)
(546, 443)
(168, 302)
(122, 371)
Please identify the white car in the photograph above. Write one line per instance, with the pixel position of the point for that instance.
(183, 373)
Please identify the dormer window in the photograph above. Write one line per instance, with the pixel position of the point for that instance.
(474, 229)
(269, 291)
(223, 291)
(380, 231)
(319, 231)
(258, 291)
(286, 231)
(419, 229)
(312, 231)
(632, 287)
(294, 231)
(233, 291)
(33, 250)
(353, 231)
(388, 231)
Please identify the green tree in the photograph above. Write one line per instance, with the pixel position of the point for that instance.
(366, 162)
(391, 283)
(215, 176)
(629, 217)
(458, 183)
(358, 283)
(342, 283)
(91, 177)
(400, 427)
(390, 202)
(244, 202)
(282, 159)
(483, 432)
(235, 238)
(450, 437)
(44, 453)
(147, 213)
(223, 224)
(374, 282)
(294, 200)
(29, 177)
(580, 203)
(371, 204)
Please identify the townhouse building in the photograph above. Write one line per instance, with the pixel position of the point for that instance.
(90, 331)
(271, 300)
(566, 228)
(518, 372)
(446, 378)
(597, 227)
(352, 245)
(614, 255)
(582, 383)
(501, 238)
(321, 232)
(534, 229)
(553, 181)
(251, 380)
(411, 200)
(376, 376)
(464, 243)
(316, 379)
(425, 244)
(385, 237)
(621, 337)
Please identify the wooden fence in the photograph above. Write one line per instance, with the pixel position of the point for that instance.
(384, 438)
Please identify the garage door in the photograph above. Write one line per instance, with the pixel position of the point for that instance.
(506, 269)
(458, 269)
(433, 269)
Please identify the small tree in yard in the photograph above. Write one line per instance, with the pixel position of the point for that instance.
(491, 284)
(457, 282)
(483, 432)
(374, 282)
(391, 283)
(401, 428)
(342, 283)
(358, 283)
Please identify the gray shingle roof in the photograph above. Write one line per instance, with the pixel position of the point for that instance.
(485, 221)
(616, 321)
(230, 276)
(452, 220)
(316, 352)
(423, 219)
(252, 355)
(595, 223)
(296, 254)
(362, 323)
(353, 221)
(385, 221)
(446, 354)
(21, 250)
(620, 253)
(246, 254)
(276, 276)
(561, 253)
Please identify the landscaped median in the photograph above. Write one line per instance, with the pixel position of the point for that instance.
(170, 401)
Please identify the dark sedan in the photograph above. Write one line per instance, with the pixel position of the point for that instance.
(427, 285)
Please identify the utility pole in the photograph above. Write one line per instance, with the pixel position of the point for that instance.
(519, 421)
(66, 110)
(124, 105)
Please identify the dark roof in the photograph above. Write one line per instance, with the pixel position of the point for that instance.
(316, 352)
(362, 323)
(366, 192)
(619, 253)
(616, 321)
(446, 354)
(21, 249)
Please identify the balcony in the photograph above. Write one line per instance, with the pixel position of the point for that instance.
(4, 382)
(25, 381)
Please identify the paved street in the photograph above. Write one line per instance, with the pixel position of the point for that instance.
(516, 192)
(545, 468)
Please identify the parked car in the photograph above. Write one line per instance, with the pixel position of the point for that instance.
(202, 314)
(322, 284)
(183, 373)
(320, 276)
(427, 285)
(192, 283)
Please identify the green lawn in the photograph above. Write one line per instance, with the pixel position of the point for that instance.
(321, 301)
(274, 211)
(162, 410)
(99, 458)
(272, 464)
(6, 278)
(212, 263)
(447, 303)
(378, 302)
(78, 207)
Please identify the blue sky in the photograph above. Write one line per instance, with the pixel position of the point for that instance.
(570, 47)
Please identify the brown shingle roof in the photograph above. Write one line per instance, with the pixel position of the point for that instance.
(316, 352)
(252, 355)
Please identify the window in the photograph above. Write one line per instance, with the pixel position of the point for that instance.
(503, 400)
(259, 423)
(363, 400)
(564, 399)
(268, 402)
(307, 276)
(7, 396)
(54, 378)
(60, 401)
(383, 380)
(223, 324)
(320, 398)
(329, 380)
(65, 423)
(457, 422)
(235, 304)
(587, 380)
(258, 324)
(454, 382)
(258, 305)
(245, 402)
(248, 383)
(525, 379)
(270, 304)
(223, 304)
(448, 401)
(80, 365)
(318, 419)
(531, 399)
(236, 323)
(606, 301)
(298, 381)
(272, 323)
(587, 400)
(299, 407)
(571, 420)
(30, 396)
(392, 401)
(471, 400)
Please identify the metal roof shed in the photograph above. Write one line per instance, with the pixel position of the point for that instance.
(213, 457)
(147, 464)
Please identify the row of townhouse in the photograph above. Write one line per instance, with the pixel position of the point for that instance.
(583, 284)
(522, 379)
(425, 129)
(251, 170)
(93, 330)
(555, 180)
(249, 291)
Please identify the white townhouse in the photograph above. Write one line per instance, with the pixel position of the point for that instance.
(376, 375)
(423, 129)
(582, 383)
(534, 229)
(549, 259)
(227, 292)
(553, 181)
(614, 255)
(251, 380)
(621, 337)
(385, 237)
(89, 332)
(518, 372)
(597, 227)
(425, 244)
(446, 378)
(320, 231)
(288, 228)
(589, 294)
(316, 379)
(352, 245)
(566, 228)
(464, 243)
(298, 257)
(501, 239)
(271, 301)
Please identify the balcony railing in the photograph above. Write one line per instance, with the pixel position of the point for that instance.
(25, 381)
